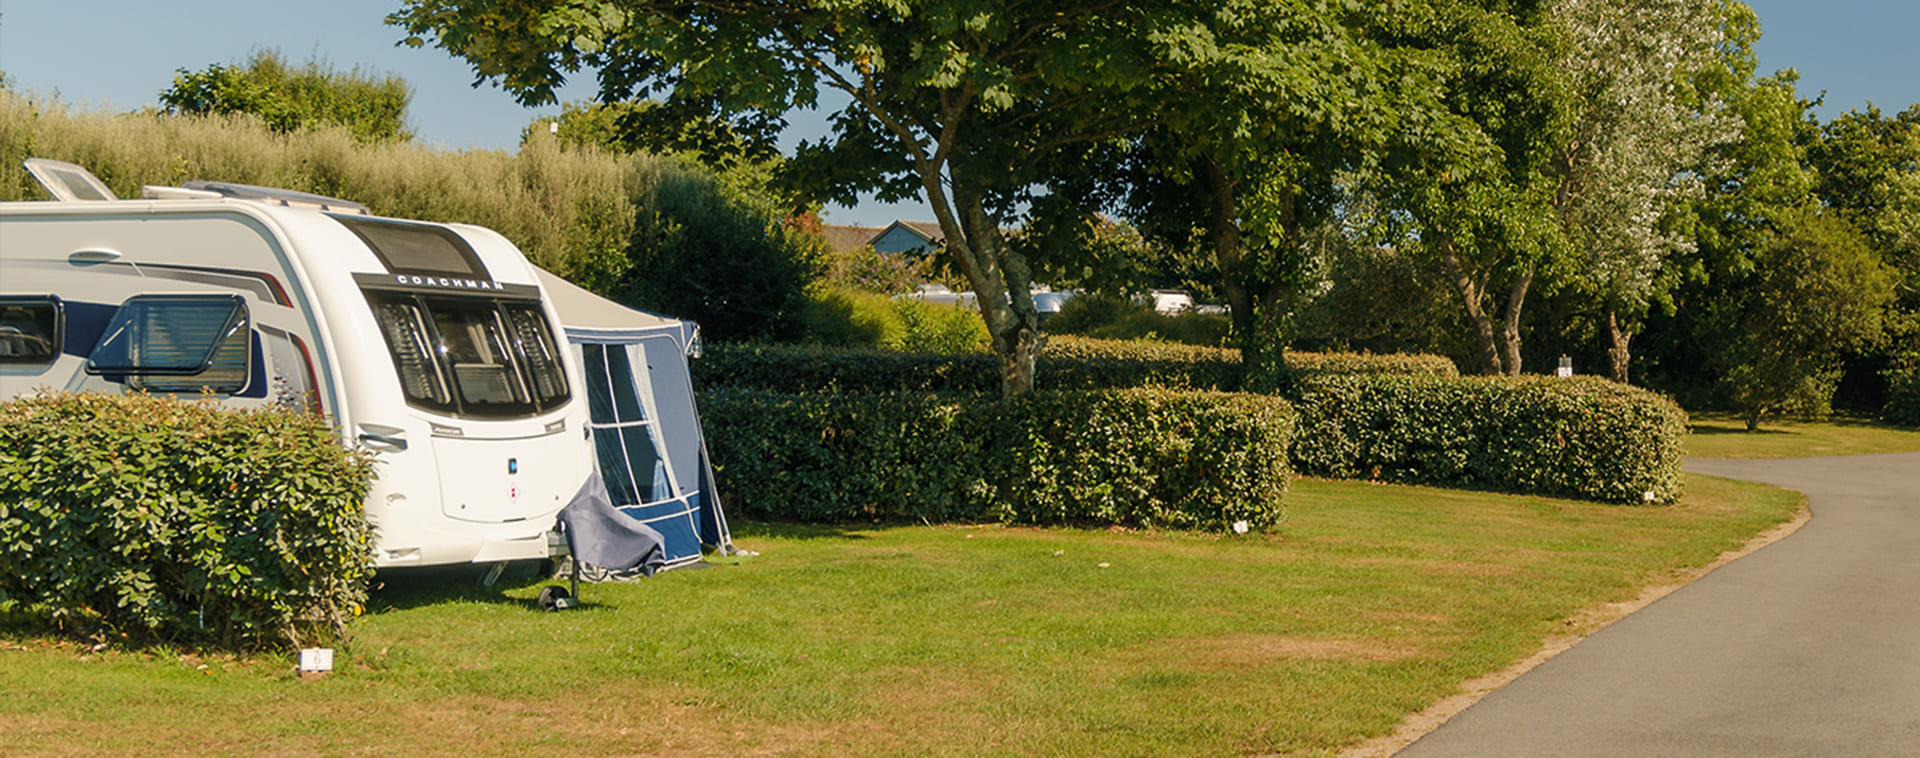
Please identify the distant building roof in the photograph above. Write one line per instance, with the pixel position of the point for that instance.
(910, 237)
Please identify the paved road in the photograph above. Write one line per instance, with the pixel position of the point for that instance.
(1809, 647)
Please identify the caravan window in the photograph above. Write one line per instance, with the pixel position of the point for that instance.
(473, 356)
(30, 329)
(177, 343)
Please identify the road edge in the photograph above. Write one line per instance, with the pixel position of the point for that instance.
(1583, 625)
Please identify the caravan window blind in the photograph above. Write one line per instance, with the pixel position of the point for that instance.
(177, 343)
(472, 356)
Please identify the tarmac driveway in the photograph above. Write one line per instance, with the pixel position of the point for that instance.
(1810, 646)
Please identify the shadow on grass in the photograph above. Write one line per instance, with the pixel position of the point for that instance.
(1711, 430)
(408, 588)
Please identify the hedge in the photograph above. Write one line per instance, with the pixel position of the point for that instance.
(144, 519)
(1584, 437)
(1146, 458)
(1066, 364)
(1902, 406)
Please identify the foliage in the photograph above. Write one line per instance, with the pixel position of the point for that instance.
(1122, 318)
(1476, 193)
(1257, 122)
(704, 254)
(1640, 131)
(1582, 437)
(843, 318)
(974, 107)
(154, 519)
(1075, 363)
(372, 107)
(1097, 255)
(1815, 292)
(1146, 458)
(867, 270)
(1867, 169)
(1903, 389)
(1382, 300)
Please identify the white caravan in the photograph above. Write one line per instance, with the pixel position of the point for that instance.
(431, 344)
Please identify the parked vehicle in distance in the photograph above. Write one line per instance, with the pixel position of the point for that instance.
(431, 344)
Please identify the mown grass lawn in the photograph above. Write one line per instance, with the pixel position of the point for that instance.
(1725, 435)
(1369, 603)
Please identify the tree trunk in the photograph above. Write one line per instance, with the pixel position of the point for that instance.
(1001, 280)
(1470, 293)
(1510, 327)
(1617, 353)
(1258, 305)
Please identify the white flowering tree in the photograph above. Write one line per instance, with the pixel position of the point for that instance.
(1640, 130)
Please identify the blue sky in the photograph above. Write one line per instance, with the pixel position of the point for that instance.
(119, 54)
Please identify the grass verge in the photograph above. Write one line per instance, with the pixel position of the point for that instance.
(1369, 603)
(1724, 435)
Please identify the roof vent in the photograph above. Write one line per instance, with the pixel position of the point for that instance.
(65, 181)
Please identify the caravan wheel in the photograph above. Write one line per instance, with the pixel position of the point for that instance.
(554, 598)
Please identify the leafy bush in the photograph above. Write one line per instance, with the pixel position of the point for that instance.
(1067, 363)
(838, 317)
(285, 98)
(845, 318)
(940, 328)
(868, 270)
(1115, 318)
(1149, 458)
(1903, 390)
(1584, 437)
(157, 519)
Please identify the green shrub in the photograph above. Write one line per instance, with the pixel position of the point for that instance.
(844, 318)
(837, 317)
(1115, 318)
(153, 519)
(1067, 363)
(1585, 437)
(940, 328)
(1903, 390)
(1148, 458)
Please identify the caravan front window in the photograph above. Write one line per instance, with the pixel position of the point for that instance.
(471, 356)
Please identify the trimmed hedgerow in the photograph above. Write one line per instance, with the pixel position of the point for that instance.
(1147, 458)
(140, 519)
(1067, 364)
(1584, 437)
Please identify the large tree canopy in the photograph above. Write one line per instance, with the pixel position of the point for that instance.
(960, 100)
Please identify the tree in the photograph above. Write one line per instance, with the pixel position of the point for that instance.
(1242, 165)
(1640, 128)
(1867, 168)
(959, 100)
(1476, 192)
(1816, 291)
(702, 252)
(372, 107)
